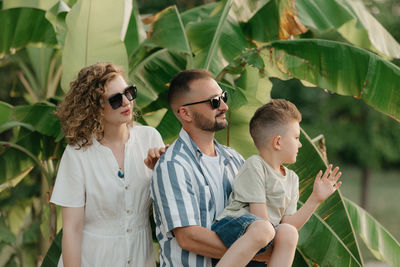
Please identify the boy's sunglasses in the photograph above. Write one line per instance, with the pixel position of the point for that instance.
(214, 101)
(116, 100)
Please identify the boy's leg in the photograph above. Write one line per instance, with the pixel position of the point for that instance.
(257, 236)
(285, 243)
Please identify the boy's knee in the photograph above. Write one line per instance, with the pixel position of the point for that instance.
(262, 232)
(288, 234)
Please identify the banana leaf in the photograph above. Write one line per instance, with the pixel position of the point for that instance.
(167, 31)
(352, 20)
(198, 13)
(252, 93)
(41, 117)
(329, 226)
(337, 67)
(378, 240)
(216, 40)
(22, 27)
(56, 16)
(93, 34)
(54, 252)
(39, 4)
(263, 26)
(38, 138)
(135, 33)
(245, 9)
(152, 76)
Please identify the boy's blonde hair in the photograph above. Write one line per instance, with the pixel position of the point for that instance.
(271, 119)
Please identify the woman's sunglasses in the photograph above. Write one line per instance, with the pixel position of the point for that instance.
(214, 101)
(116, 100)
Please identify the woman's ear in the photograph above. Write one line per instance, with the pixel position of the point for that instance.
(276, 143)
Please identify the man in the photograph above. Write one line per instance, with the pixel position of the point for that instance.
(192, 181)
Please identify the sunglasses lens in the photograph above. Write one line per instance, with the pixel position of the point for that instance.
(131, 92)
(215, 102)
(115, 101)
(224, 96)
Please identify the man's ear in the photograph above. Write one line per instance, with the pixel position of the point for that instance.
(184, 114)
(276, 143)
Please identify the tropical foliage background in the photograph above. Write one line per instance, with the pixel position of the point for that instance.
(252, 47)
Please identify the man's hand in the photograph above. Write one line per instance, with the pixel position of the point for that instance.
(153, 155)
(325, 185)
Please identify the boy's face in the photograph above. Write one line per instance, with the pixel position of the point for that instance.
(290, 143)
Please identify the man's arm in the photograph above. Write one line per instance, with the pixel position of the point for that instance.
(324, 186)
(200, 240)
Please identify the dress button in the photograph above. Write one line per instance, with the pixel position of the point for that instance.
(126, 187)
(129, 262)
(128, 211)
(128, 230)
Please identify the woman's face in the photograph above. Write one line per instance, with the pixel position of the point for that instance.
(122, 114)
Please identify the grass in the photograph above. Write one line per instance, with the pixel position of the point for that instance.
(384, 191)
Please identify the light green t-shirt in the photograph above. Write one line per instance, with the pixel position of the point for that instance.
(257, 182)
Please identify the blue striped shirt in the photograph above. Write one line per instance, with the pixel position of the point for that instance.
(184, 194)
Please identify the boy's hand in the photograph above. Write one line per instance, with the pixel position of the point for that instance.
(153, 155)
(327, 184)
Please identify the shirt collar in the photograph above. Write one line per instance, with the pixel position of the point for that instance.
(195, 150)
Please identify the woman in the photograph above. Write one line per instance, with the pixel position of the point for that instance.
(102, 182)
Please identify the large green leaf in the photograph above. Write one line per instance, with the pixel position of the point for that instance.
(252, 92)
(264, 25)
(93, 34)
(246, 9)
(198, 13)
(39, 4)
(135, 33)
(5, 112)
(167, 31)
(165, 64)
(329, 225)
(352, 20)
(338, 67)
(379, 241)
(42, 117)
(216, 40)
(22, 27)
(54, 252)
(56, 16)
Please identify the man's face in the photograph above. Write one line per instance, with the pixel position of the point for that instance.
(204, 116)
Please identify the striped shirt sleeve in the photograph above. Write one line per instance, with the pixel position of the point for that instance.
(174, 195)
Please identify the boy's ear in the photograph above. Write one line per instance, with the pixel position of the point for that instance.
(276, 143)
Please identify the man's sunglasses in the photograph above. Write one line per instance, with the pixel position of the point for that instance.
(214, 101)
(116, 100)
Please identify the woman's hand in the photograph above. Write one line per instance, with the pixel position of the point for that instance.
(153, 155)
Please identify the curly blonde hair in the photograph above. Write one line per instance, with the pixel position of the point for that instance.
(82, 110)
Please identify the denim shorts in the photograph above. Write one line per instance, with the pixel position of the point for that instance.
(229, 229)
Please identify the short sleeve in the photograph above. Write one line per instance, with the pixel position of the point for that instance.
(249, 184)
(174, 200)
(69, 188)
(156, 140)
(292, 208)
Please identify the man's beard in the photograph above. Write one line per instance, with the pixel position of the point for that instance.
(205, 124)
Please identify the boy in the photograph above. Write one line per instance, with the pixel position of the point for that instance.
(264, 199)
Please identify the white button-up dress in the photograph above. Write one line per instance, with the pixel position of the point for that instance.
(116, 225)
